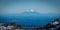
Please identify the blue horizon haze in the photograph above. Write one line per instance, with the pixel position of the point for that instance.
(29, 13)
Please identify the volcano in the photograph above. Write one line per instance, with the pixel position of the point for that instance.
(29, 14)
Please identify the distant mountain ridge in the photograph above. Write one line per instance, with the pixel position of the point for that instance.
(30, 13)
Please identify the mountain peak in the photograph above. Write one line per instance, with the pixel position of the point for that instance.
(30, 13)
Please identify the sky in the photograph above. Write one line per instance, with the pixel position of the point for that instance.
(20, 6)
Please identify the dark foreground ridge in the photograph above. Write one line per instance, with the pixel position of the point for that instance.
(54, 25)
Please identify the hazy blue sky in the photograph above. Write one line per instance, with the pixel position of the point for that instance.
(20, 6)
